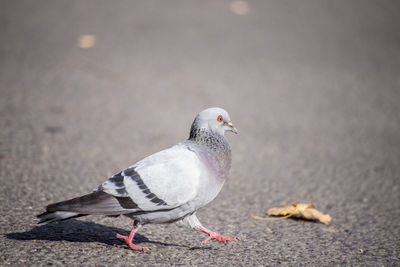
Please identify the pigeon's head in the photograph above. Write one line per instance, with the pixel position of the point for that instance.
(215, 119)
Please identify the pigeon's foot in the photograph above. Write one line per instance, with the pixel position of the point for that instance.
(130, 243)
(128, 239)
(214, 235)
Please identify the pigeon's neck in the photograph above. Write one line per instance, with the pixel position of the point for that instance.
(209, 138)
(215, 143)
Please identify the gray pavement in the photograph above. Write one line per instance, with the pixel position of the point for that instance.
(313, 87)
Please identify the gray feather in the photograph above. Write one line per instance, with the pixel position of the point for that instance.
(96, 203)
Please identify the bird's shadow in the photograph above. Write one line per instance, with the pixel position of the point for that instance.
(81, 231)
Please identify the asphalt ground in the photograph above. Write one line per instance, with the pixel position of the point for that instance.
(312, 86)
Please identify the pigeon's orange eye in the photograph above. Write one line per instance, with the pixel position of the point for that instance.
(220, 118)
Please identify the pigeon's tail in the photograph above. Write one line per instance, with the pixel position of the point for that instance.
(53, 216)
(96, 203)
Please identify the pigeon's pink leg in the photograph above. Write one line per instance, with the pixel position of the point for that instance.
(128, 239)
(214, 235)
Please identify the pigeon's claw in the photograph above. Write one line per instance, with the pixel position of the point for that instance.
(130, 243)
(214, 235)
(128, 239)
(219, 238)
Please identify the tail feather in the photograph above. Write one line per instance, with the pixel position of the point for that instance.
(96, 203)
(53, 216)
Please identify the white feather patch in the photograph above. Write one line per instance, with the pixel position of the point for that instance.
(172, 175)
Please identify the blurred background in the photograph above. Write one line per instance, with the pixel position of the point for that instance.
(90, 87)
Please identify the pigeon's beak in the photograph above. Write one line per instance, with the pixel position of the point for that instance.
(232, 127)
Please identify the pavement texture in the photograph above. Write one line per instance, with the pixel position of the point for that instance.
(312, 86)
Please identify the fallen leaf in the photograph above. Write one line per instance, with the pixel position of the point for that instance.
(240, 7)
(86, 41)
(307, 210)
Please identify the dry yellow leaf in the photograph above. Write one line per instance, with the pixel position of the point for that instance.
(86, 41)
(240, 7)
(307, 210)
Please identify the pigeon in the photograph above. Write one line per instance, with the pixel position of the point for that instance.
(166, 187)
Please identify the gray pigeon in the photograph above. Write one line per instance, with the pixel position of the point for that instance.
(168, 186)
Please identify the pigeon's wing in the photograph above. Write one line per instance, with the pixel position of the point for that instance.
(164, 180)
